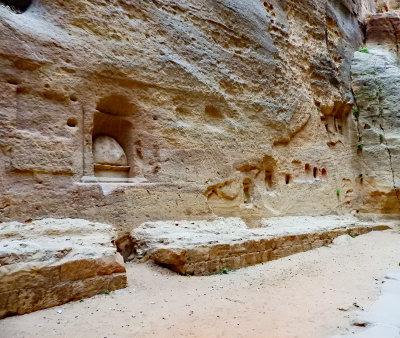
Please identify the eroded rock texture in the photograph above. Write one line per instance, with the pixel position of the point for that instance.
(221, 108)
(376, 85)
(50, 262)
(383, 6)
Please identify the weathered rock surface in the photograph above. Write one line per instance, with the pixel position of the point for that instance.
(126, 112)
(222, 108)
(50, 262)
(383, 29)
(201, 247)
(376, 85)
(387, 5)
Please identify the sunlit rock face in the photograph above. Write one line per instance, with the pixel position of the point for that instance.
(222, 108)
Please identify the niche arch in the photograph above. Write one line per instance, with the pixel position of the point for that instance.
(112, 148)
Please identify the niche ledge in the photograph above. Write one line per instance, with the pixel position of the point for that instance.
(112, 171)
(107, 179)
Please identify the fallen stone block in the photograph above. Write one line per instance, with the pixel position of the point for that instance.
(50, 262)
(202, 247)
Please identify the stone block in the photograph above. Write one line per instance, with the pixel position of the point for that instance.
(220, 251)
(198, 254)
(69, 266)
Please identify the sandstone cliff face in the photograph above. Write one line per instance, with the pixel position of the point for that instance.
(227, 108)
(376, 85)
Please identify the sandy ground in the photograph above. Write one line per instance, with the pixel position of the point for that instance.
(314, 294)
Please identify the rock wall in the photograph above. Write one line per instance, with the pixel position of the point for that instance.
(376, 85)
(195, 109)
(383, 6)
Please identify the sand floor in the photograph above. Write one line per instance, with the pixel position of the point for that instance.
(319, 293)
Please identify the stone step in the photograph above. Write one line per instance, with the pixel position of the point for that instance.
(203, 248)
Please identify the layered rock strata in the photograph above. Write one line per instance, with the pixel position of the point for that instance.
(211, 108)
(50, 262)
(202, 248)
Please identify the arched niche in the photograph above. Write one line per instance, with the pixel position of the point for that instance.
(112, 146)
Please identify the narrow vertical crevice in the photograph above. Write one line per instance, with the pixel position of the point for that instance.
(356, 115)
(364, 32)
(83, 140)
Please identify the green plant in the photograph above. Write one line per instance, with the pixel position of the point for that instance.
(360, 146)
(356, 112)
(338, 192)
(81, 301)
(372, 96)
(224, 271)
(107, 292)
(351, 234)
(364, 50)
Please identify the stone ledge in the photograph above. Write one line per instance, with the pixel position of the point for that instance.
(182, 250)
(53, 261)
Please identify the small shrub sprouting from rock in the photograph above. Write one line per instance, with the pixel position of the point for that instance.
(364, 50)
(360, 146)
(356, 112)
(351, 234)
(338, 192)
(224, 271)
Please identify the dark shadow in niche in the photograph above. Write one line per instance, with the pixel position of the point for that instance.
(18, 6)
(213, 111)
(268, 178)
(246, 190)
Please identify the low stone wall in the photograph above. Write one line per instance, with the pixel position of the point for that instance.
(203, 248)
(51, 262)
(31, 290)
(205, 260)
